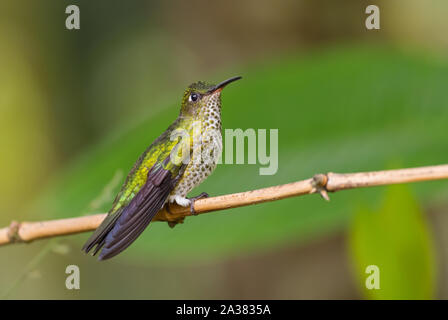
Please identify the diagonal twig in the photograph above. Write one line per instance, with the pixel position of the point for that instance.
(320, 183)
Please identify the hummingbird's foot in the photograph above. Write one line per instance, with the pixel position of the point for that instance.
(192, 201)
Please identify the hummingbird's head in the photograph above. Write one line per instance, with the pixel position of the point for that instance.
(201, 95)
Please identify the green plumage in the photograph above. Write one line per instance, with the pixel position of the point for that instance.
(166, 171)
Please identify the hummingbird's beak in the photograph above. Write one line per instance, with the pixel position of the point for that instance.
(221, 85)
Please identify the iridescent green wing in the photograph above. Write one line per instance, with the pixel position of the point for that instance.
(134, 209)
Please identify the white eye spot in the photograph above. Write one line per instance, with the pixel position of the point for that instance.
(193, 97)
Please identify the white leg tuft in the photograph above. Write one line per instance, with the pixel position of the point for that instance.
(184, 202)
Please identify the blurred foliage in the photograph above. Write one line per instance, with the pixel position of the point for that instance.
(349, 109)
(397, 239)
(23, 126)
(81, 106)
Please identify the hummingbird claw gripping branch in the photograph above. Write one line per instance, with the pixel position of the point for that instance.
(193, 200)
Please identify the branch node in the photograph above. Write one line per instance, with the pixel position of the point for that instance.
(170, 217)
(172, 224)
(13, 232)
(319, 184)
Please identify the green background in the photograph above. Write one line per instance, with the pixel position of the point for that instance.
(79, 107)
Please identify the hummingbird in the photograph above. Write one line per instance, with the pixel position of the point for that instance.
(180, 159)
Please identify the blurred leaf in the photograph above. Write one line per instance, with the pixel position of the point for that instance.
(24, 128)
(334, 112)
(35, 274)
(397, 240)
(61, 249)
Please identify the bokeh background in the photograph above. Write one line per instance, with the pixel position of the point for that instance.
(78, 107)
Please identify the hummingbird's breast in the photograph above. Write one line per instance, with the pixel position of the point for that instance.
(207, 148)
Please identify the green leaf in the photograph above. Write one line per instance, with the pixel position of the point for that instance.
(398, 241)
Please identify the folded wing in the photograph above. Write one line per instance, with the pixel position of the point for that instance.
(120, 229)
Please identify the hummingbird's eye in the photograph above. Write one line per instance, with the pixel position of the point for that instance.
(193, 97)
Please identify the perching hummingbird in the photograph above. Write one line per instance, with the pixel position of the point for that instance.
(167, 171)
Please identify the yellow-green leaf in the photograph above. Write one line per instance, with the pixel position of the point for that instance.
(396, 239)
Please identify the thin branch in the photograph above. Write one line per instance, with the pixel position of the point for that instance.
(320, 183)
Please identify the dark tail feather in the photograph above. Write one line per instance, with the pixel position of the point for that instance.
(122, 228)
(130, 226)
(98, 237)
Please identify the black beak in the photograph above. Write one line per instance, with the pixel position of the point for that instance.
(223, 84)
